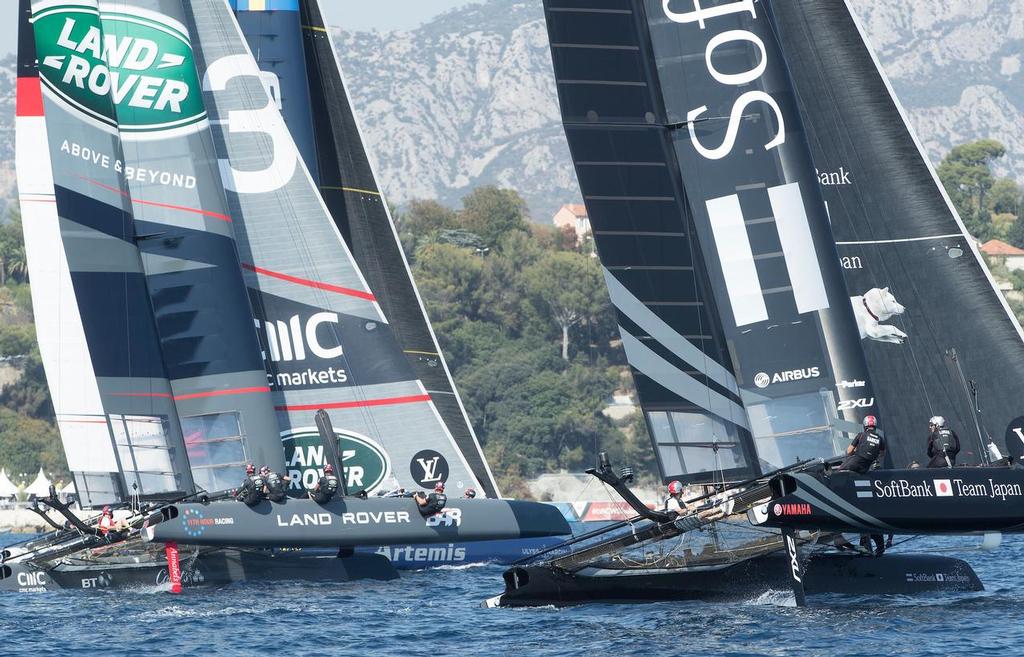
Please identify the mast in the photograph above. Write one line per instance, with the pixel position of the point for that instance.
(938, 310)
(692, 161)
(326, 342)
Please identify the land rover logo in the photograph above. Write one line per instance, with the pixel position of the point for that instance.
(365, 463)
(130, 71)
(429, 468)
(761, 380)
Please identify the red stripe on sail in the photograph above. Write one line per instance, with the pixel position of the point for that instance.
(158, 204)
(357, 404)
(308, 283)
(30, 97)
(218, 393)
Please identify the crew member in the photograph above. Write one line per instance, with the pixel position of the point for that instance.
(866, 448)
(275, 484)
(326, 488)
(675, 500)
(109, 528)
(943, 444)
(469, 494)
(253, 489)
(433, 503)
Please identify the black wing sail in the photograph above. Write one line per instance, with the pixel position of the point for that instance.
(698, 183)
(915, 277)
(350, 190)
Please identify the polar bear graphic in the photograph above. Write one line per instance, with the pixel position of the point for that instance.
(874, 307)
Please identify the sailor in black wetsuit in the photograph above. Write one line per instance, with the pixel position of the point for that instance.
(253, 489)
(326, 488)
(433, 503)
(867, 448)
(275, 485)
(943, 444)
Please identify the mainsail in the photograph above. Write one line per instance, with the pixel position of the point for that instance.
(939, 337)
(97, 337)
(694, 166)
(326, 340)
(301, 73)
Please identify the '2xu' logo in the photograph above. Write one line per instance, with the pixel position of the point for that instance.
(133, 72)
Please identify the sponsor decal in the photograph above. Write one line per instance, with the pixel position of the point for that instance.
(1014, 436)
(191, 576)
(417, 554)
(850, 404)
(841, 177)
(101, 581)
(732, 243)
(446, 518)
(34, 579)
(323, 519)
(873, 308)
(794, 560)
(292, 342)
(799, 509)
(850, 384)
(192, 522)
(365, 463)
(903, 488)
(702, 16)
(851, 262)
(429, 467)
(763, 379)
(127, 71)
(915, 578)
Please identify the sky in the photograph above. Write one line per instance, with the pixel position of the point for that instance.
(360, 15)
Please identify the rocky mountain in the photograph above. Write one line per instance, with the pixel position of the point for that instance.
(469, 98)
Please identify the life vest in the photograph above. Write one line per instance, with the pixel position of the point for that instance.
(106, 525)
(275, 487)
(435, 503)
(251, 491)
(869, 446)
(326, 489)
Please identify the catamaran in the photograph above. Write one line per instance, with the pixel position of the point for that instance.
(197, 305)
(760, 205)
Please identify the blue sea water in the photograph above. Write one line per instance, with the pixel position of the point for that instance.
(436, 612)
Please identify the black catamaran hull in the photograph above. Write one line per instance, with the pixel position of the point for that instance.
(917, 501)
(216, 567)
(531, 586)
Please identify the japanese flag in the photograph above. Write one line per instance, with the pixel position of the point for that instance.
(943, 488)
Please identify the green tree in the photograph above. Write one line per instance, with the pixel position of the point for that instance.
(26, 444)
(569, 286)
(1006, 197)
(1015, 235)
(491, 213)
(967, 176)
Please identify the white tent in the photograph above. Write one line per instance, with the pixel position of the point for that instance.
(7, 487)
(40, 487)
(69, 489)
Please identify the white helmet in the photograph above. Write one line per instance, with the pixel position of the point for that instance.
(938, 421)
